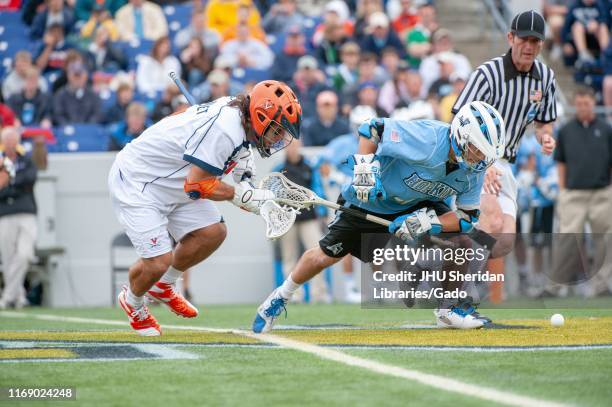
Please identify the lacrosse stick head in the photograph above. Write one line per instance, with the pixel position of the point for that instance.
(278, 219)
(288, 192)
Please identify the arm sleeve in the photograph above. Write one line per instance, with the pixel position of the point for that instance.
(548, 112)
(477, 88)
(211, 152)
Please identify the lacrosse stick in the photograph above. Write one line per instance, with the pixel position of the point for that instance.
(179, 84)
(278, 219)
(289, 193)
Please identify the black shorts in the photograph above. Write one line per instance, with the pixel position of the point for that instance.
(347, 233)
(542, 226)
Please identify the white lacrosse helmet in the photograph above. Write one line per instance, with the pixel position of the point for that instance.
(478, 130)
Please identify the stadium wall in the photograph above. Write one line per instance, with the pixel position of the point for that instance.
(75, 213)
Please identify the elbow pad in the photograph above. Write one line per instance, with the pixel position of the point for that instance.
(201, 189)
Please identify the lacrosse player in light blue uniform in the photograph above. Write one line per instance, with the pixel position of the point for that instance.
(404, 171)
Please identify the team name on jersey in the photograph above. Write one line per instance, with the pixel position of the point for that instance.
(432, 188)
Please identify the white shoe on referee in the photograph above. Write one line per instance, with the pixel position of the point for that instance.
(456, 318)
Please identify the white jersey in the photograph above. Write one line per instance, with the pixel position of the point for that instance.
(209, 136)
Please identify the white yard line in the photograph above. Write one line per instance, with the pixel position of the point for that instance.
(438, 382)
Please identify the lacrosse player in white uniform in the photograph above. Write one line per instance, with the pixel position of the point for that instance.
(163, 183)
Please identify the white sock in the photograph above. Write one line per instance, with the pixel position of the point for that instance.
(171, 276)
(288, 288)
(134, 300)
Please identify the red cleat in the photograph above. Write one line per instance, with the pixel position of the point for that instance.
(167, 294)
(140, 318)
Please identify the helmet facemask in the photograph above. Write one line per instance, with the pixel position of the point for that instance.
(274, 139)
(470, 157)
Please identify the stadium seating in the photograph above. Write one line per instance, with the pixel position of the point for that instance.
(178, 17)
(135, 48)
(13, 38)
(245, 75)
(82, 138)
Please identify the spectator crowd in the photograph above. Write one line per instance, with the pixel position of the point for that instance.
(103, 63)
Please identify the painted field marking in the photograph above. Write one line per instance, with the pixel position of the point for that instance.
(439, 382)
(11, 343)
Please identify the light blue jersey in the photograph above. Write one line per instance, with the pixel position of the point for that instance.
(413, 157)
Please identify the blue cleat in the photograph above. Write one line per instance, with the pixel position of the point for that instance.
(468, 305)
(268, 311)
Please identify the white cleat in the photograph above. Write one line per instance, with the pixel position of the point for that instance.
(456, 318)
(268, 312)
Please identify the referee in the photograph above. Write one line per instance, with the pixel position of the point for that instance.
(522, 89)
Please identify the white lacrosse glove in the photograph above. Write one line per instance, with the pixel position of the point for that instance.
(245, 164)
(366, 185)
(411, 227)
(249, 198)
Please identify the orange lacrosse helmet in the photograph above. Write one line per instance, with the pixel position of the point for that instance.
(275, 114)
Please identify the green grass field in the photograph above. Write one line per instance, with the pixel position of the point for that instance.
(94, 351)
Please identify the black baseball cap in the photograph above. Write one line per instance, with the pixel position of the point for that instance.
(528, 24)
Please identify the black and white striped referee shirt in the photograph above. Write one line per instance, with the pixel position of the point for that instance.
(520, 97)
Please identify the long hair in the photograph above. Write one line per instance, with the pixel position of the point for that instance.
(241, 102)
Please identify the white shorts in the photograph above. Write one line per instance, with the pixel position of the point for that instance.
(509, 188)
(151, 217)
